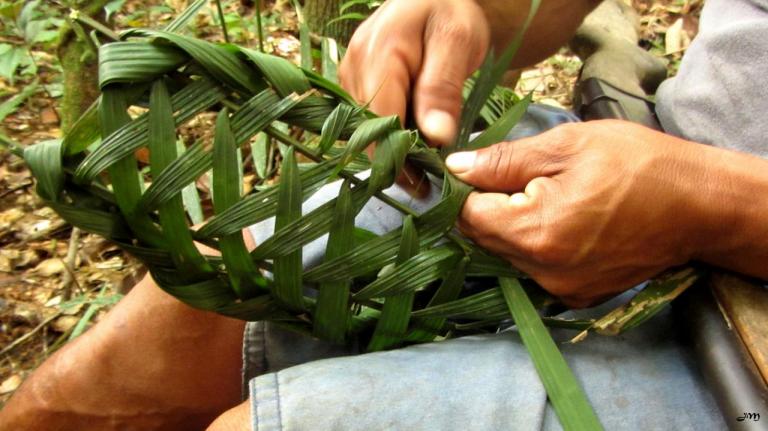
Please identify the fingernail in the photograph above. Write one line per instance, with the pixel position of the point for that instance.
(461, 162)
(439, 126)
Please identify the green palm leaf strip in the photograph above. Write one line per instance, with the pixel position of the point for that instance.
(184, 17)
(44, 160)
(368, 132)
(162, 151)
(489, 75)
(251, 118)
(393, 322)
(219, 61)
(412, 274)
(288, 287)
(128, 137)
(381, 251)
(426, 329)
(499, 129)
(309, 227)
(132, 62)
(565, 394)
(334, 125)
(279, 72)
(190, 196)
(245, 278)
(84, 132)
(388, 160)
(332, 316)
(484, 305)
(126, 183)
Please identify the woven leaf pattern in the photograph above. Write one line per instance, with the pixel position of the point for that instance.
(402, 286)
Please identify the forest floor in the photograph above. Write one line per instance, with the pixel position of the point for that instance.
(56, 282)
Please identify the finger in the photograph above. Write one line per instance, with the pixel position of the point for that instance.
(508, 166)
(455, 43)
(486, 218)
(508, 224)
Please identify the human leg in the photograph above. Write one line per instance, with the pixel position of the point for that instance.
(152, 363)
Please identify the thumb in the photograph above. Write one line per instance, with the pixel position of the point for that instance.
(505, 167)
(455, 44)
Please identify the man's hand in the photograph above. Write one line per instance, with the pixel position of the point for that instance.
(589, 209)
(416, 54)
(424, 48)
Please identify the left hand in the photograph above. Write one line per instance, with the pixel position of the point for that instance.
(587, 209)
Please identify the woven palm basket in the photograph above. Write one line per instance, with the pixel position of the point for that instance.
(404, 286)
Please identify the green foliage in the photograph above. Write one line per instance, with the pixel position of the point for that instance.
(346, 15)
(25, 25)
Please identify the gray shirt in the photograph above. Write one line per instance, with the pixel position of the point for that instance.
(720, 95)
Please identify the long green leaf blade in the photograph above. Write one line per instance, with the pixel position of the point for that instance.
(184, 17)
(245, 278)
(288, 269)
(307, 228)
(162, 152)
(334, 125)
(490, 74)
(426, 329)
(44, 160)
(414, 274)
(564, 392)
(499, 130)
(130, 62)
(366, 134)
(122, 141)
(219, 61)
(393, 322)
(126, 182)
(332, 309)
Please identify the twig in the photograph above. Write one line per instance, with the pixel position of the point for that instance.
(76, 15)
(15, 148)
(69, 264)
(223, 21)
(29, 334)
(15, 188)
(260, 29)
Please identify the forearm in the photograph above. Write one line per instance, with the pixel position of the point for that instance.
(553, 26)
(736, 234)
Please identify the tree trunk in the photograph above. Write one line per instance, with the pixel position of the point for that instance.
(319, 12)
(80, 69)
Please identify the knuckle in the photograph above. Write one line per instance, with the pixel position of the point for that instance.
(563, 133)
(499, 160)
(471, 215)
(546, 249)
(452, 28)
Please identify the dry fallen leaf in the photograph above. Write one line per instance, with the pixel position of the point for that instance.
(8, 217)
(50, 267)
(676, 40)
(64, 323)
(10, 384)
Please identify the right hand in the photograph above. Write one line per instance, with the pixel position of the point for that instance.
(417, 53)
